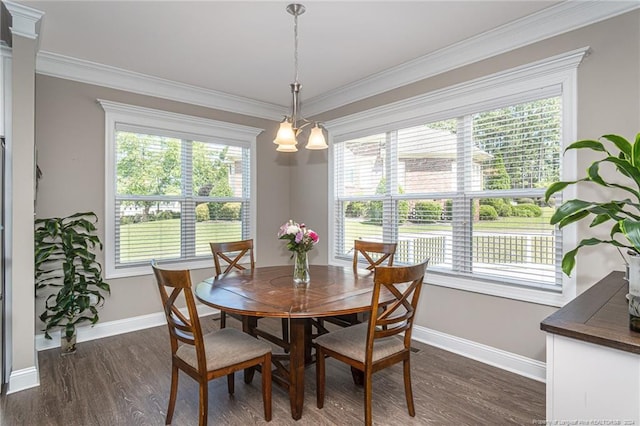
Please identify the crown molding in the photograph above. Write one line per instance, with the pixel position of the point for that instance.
(25, 20)
(515, 80)
(550, 22)
(60, 66)
(547, 23)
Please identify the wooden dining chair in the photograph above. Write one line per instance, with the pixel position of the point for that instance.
(228, 256)
(375, 344)
(375, 254)
(206, 357)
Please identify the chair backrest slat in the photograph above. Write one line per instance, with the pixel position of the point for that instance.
(376, 254)
(404, 284)
(222, 250)
(179, 325)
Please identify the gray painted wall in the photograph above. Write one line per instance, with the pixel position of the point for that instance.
(70, 140)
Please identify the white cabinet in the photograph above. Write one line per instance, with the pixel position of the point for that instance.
(593, 359)
(592, 383)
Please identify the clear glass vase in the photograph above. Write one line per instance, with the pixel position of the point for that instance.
(634, 290)
(301, 275)
(67, 343)
(634, 312)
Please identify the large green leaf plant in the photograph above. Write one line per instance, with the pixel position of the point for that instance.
(623, 215)
(65, 259)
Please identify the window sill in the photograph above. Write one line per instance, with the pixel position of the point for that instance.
(135, 271)
(525, 294)
(516, 292)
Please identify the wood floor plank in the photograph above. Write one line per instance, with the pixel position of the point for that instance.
(124, 380)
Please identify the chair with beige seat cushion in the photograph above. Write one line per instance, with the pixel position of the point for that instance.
(206, 357)
(229, 255)
(376, 344)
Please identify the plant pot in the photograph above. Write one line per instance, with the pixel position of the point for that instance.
(634, 312)
(67, 344)
(634, 274)
(634, 291)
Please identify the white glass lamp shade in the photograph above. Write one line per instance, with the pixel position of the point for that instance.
(316, 139)
(286, 148)
(286, 135)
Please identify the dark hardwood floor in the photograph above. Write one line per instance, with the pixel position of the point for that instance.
(124, 380)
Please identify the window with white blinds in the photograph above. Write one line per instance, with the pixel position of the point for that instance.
(466, 192)
(463, 186)
(173, 192)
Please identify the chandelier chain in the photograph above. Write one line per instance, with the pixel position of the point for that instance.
(295, 46)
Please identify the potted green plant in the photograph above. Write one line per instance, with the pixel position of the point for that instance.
(622, 215)
(65, 260)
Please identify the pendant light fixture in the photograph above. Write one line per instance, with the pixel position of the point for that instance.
(291, 126)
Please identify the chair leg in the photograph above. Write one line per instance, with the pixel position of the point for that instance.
(204, 402)
(230, 383)
(367, 398)
(407, 387)
(285, 331)
(357, 376)
(249, 324)
(172, 394)
(320, 376)
(223, 319)
(266, 386)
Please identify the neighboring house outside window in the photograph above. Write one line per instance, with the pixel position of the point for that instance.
(459, 176)
(174, 184)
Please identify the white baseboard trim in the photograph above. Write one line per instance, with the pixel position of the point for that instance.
(498, 358)
(514, 363)
(113, 328)
(23, 379)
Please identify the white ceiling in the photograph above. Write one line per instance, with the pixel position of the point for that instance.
(245, 48)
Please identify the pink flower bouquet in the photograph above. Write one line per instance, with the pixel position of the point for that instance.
(299, 238)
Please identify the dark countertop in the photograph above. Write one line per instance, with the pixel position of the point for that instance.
(600, 315)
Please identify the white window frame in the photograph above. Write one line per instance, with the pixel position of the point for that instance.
(177, 125)
(465, 98)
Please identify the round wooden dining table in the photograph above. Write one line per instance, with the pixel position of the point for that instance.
(270, 292)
